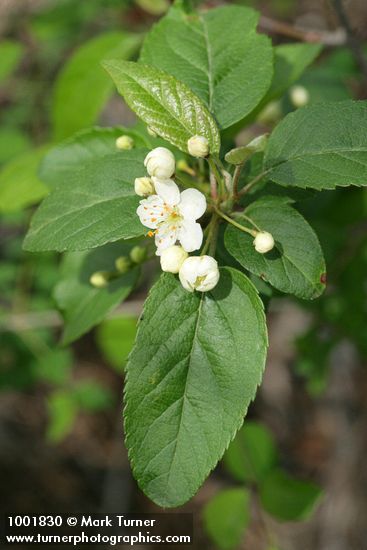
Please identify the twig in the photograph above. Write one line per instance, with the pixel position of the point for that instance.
(353, 41)
(18, 322)
(233, 222)
(329, 38)
(249, 186)
(236, 179)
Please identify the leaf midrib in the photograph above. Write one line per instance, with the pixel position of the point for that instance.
(185, 388)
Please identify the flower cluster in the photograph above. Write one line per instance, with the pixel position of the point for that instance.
(172, 217)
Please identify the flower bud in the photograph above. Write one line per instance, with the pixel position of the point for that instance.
(271, 113)
(138, 254)
(124, 143)
(199, 273)
(122, 264)
(160, 163)
(299, 96)
(198, 146)
(172, 258)
(144, 186)
(263, 242)
(100, 279)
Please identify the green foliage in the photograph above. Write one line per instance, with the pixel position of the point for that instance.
(316, 147)
(95, 206)
(62, 411)
(54, 367)
(198, 357)
(227, 516)
(314, 349)
(115, 338)
(296, 264)
(13, 142)
(187, 342)
(290, 61)
(81, 150)
(10, 55)
(251, 454)
(64, 405)
(165, 104)
(83, 305)
(19, 183)
(82, 88)
(91, 396)
(218, 54)
(288, 499)
(242, 154)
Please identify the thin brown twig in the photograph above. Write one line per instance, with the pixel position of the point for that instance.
(329, 38)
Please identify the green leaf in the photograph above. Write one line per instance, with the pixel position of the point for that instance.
(227, 516)
(115, 338)
(240, 155)
(62, 411)
(251, 454)
(83, 305)
(91, 396)
(296, 264)
(10, 54)
(95, 206)
(82, 88)
(81, 150)
(194, 370)
(287, 498)
(165, 104)
(321, 146)
(13, 142)
(218, 54)
(54, 367)
(19, 184)
(290, 61)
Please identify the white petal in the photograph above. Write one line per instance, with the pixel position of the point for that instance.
(151, 211)
(187, 273)
(207, 265)
(167, 190)
(192, 204)
(165, 237)
(190, 235)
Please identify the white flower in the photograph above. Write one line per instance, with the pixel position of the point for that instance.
(199, 273)
(144, 186)
(198, 146)
(124, 142)
(172, 258)
(160, 163)
(299, 96)
(173, 215)
(263, 242)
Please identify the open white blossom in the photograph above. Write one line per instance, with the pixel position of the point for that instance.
(198, 146)
(263, 242)
(160, 162)
(172, 215)
(199, 273)
(172, 258)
